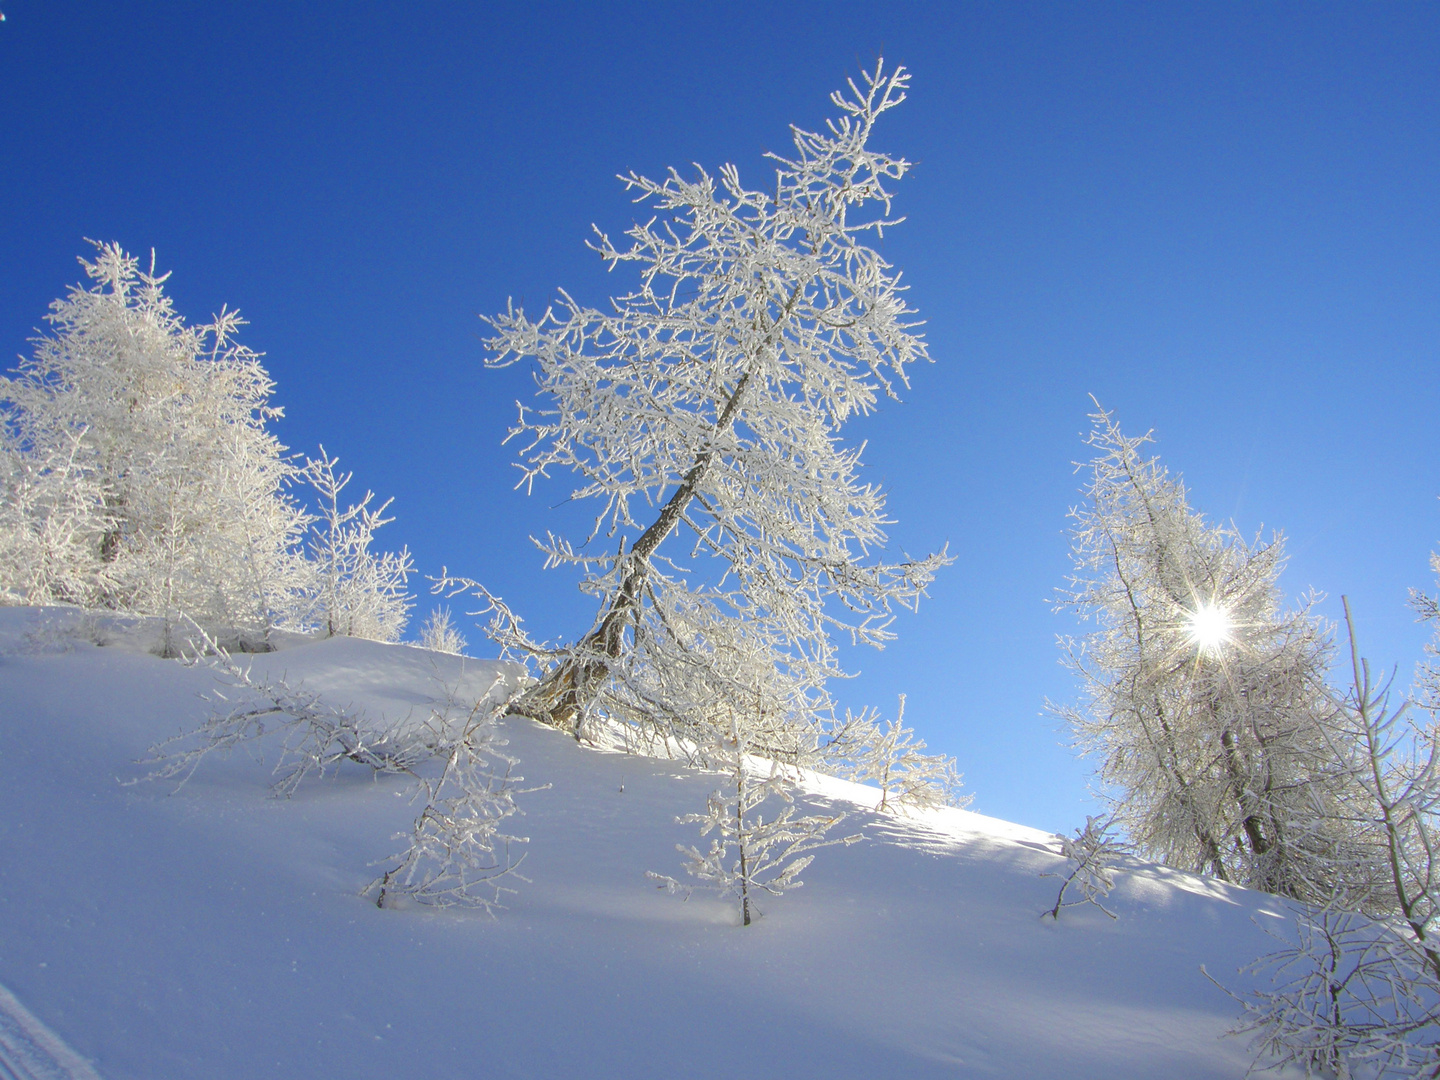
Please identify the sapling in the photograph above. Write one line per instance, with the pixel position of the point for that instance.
(315, 736)
(1094, 850)
(748, 854)
(358, 592)
(455, 853)
(865, 748)
(440, 634)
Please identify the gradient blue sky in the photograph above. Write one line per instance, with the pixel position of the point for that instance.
(1221, 219)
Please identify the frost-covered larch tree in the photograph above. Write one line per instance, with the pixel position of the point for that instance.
(1357, 992)
(1205, 700)
(866, 748)
(165, 424)
(703, 410)
(356, 592)
(744, 728)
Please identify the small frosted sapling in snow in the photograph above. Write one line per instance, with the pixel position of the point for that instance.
(455, 852)
(889, 754)
(749, 855)
(358, 592)
(440, 634)
(1094, 850)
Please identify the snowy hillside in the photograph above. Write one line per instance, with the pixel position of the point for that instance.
(218, 932)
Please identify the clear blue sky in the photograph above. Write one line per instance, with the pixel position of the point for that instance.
(1221, 219)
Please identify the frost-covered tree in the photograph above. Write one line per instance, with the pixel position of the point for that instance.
(750, 855)
(357, 592)
(167, 422)
(1353, 993)
(866, 748)
(703, 411)
(440, 634)
(1206, 703)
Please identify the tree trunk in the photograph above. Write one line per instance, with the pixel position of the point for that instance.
(562, 696)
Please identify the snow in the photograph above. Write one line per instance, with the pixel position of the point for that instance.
(217, 932)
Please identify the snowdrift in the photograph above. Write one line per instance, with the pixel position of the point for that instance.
(215, 932)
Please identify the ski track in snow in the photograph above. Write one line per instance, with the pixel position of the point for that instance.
(31, 1051)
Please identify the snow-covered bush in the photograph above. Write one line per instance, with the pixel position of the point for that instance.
(139, 473)
(440, 634)
(702, 411)
(864, 748)
(1094, 850)
(357, 592)
(1207, 704)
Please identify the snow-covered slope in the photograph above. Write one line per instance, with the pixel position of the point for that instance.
(217, 932)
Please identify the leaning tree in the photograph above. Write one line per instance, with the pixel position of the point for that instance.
(702, 412)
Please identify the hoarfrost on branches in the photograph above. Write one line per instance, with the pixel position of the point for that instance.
(138, 473)
(702, 413)
(440, 634)
(1358, 993)
(865, 748)
(315, 735)
(357, 592)
(138, 469)
(1095, 850)
(455, 852)
(1207, 705)
(749, 855)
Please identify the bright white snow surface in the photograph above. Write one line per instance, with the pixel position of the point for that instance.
(218, 932)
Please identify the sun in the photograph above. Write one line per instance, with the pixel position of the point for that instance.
(1208, 627)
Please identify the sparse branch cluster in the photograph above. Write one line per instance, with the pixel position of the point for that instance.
(315, 735)
(1093, 851)
(456, 852)
(358, 593)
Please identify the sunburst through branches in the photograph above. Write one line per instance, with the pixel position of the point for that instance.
(1209, 627)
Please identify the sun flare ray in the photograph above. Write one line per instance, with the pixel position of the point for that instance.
(1209, 627)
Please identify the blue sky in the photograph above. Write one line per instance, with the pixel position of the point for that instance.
(1219, 219)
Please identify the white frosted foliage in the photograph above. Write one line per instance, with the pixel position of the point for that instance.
(139, 470)
(701, 412)
(1205, 702)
